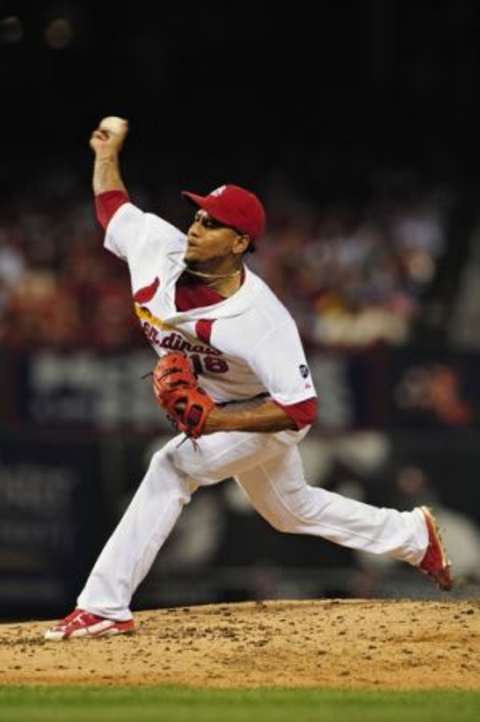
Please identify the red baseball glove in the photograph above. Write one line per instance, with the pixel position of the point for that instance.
(177, 391)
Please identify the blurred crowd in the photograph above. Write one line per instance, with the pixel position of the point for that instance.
(355, 276)
(351, 276)
(58, 288)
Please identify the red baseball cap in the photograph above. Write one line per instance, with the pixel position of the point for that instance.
(233, 206)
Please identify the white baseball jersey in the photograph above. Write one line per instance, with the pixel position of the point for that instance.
(243, 346)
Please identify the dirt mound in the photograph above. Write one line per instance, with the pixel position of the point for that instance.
(379, 644)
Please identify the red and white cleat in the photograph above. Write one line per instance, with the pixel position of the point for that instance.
(84, 624)
(435, 563)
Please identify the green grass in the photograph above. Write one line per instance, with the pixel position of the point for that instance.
(178, 704)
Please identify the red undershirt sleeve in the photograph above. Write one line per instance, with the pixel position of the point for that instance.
(107, 204)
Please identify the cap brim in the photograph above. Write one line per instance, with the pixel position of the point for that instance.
(207, 203)
(198, 201)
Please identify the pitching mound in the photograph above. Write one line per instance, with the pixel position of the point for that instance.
(358, 643)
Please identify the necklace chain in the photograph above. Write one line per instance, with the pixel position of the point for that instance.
(213, 276)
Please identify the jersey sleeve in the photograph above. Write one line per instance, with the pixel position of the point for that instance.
(279, 362)
(302, 413)
(107, 203)
(131, 232)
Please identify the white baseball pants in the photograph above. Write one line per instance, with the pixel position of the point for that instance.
(269, 468)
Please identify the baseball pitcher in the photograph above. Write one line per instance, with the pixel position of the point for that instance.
(233, 378)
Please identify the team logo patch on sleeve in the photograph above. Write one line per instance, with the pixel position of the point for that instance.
(304, 370)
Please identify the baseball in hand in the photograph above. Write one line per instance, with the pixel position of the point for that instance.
(113, 124)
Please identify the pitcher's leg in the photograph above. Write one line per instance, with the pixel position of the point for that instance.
(174, 473)
(278, 491)
(133, 546)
